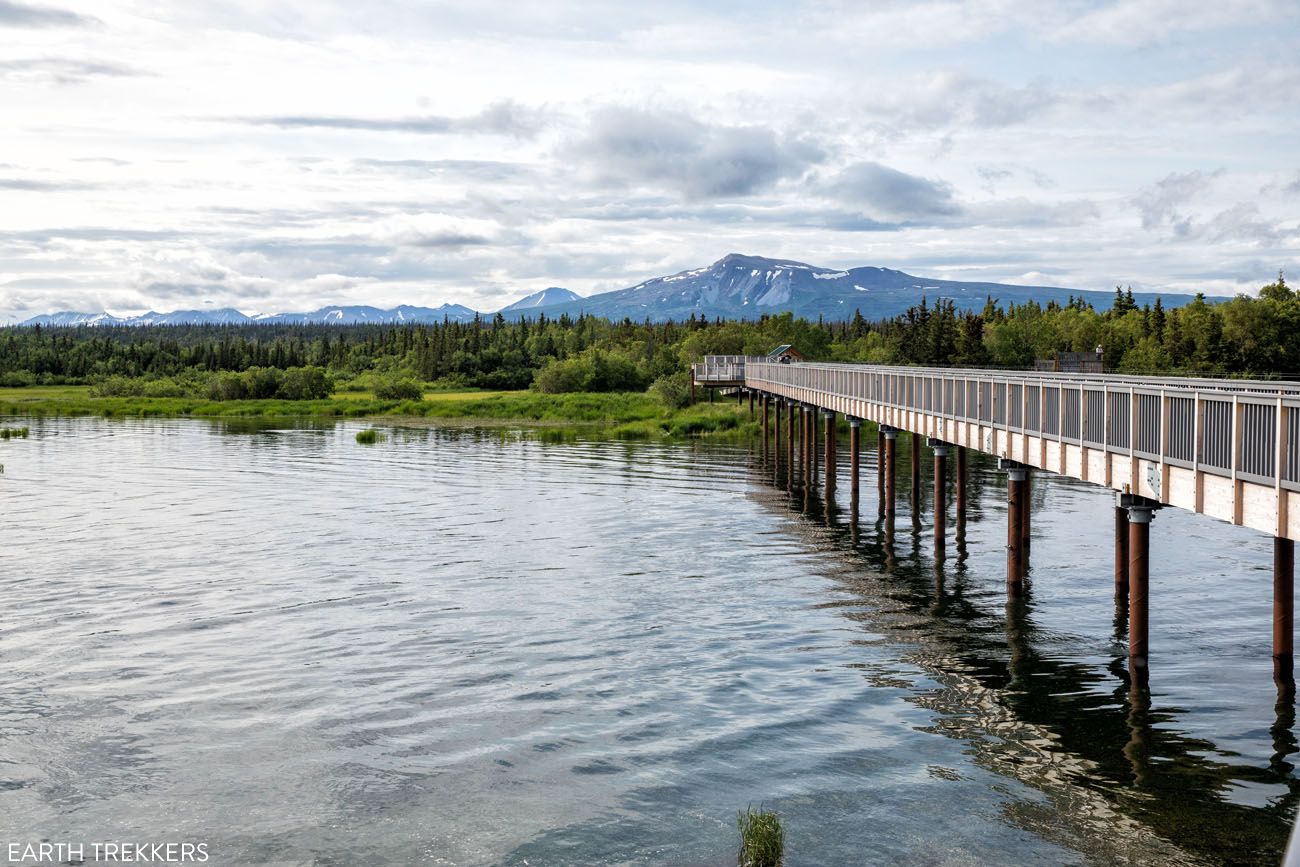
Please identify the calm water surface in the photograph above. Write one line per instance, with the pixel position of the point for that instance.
(479, 647)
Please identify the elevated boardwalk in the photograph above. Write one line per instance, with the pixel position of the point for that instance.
(1225, 448)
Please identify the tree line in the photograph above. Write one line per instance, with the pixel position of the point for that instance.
(1246, 335)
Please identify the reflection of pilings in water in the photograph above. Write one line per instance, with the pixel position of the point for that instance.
(1138, 749)
(1057, 730)
(1283, 732)
(887, 530)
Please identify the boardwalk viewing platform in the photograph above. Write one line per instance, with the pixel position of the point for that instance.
(1226, 448)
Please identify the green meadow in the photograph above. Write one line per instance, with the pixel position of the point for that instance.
(628, 415)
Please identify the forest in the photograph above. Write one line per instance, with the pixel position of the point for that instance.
(1255, 336)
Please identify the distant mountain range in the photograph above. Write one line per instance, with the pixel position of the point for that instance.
(546, 298)
(229, 316)
(734, 287)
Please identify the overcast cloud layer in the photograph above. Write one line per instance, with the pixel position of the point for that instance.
(164, 156)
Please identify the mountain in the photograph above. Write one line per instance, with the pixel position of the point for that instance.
(734, 287)
(546, 298)
(230, 316)
(69, 318)
(372, 315)
(221, 316)
(739, 286)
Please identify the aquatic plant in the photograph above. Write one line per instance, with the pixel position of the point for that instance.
(762, 838)
(368, 437)
(13, 433)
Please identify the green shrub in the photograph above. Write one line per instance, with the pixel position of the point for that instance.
(227, 385)
(762, 839)
(399, 389)
(305, 383)
(262, 382)
(118, 386)
(673, 391)
(163, 388)
(592, 370)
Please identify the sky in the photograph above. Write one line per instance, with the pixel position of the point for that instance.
(279, 157)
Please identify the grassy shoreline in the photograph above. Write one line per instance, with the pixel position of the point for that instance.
(629, 415)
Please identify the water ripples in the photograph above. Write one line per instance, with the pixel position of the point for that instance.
(469, 646)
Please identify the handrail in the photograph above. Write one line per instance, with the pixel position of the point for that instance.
(1247, 429)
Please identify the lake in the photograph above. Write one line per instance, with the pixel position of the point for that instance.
(485, 646)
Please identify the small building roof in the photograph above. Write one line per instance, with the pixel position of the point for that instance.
(785, 349)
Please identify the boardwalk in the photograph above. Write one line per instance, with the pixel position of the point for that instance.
(1229, 449)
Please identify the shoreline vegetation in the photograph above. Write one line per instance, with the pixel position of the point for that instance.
(627, 415)
(628, 379)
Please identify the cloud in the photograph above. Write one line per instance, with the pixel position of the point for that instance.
(1160, 203)
(948, 99)
(501, 118)
(484, 170)
(62, 70)
(674, 151)
(1140, 22)
(888, 192)
(22, 15)
(1242, 222)
(40, 186)
(438, 231)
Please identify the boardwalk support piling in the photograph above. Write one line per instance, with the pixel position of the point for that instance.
(880, 466)
(891, 445)
(917, 506)
(1016, 474)
(812, 443)
(1121, 554)
(1026, 508)
(855, 443)
(940, 496)
(789, 438)
(1140, 513)
(830, 447)
(1283, 611)
(961, 490)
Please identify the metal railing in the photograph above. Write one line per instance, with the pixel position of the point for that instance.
(1248, 429)
(724, 368)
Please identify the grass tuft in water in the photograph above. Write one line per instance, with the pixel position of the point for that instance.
(8, 433)
(762, 838)
(368, 437)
